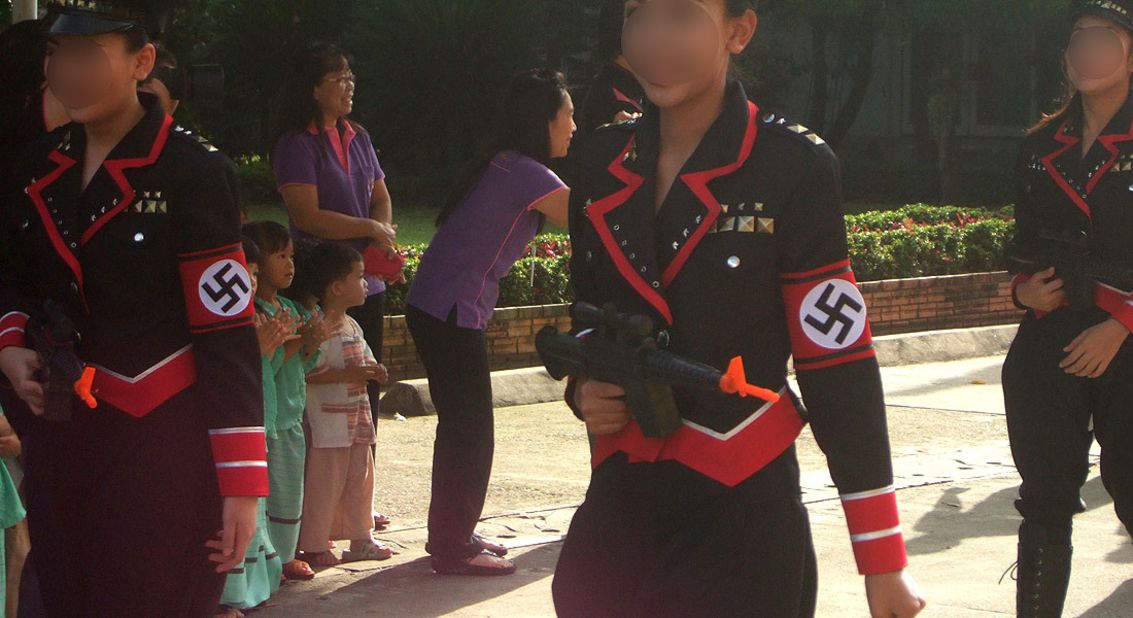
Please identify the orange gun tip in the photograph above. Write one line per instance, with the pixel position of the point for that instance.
(83, 388)
(734, 382)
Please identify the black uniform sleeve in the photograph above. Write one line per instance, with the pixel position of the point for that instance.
(219, 303)
(835, 361)
(13, 307)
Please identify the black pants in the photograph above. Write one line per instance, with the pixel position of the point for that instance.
(119, 510)
(460, 384)
(371, 317)
(1048, 418)
(659, 539)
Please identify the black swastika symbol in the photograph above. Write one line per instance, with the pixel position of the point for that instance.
(835, 314)
(229, 289)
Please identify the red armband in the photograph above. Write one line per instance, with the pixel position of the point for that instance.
(240, 454)
(826, 317)
(218, 289)
(875, 531)
(12, 327)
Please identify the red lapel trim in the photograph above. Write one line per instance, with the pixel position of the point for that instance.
(35, 192)
(1059, 179)
(698, 183)
(116, 169)
(597, 212)
(1108, 141)
(621, 96)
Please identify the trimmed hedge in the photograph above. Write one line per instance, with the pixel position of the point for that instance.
(918, 240)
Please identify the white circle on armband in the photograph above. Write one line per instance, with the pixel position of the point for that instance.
(225, 288)
(833, 314)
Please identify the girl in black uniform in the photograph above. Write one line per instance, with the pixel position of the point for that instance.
(123, 225)
(724, 225)
(1068, 378)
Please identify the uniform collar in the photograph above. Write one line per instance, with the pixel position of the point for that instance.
(56, 195)
(626, 220)
(339, 142)
(1078, 176)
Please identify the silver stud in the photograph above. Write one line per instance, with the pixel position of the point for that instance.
(73, 245)
(676, 245)
(93, 218)
(633, 256)
(734, 262)
(617, 228)
(139, 237)
(656, 284)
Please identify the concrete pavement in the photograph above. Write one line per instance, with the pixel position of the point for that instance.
(953, 470)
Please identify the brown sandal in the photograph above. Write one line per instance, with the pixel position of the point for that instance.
(298, 570)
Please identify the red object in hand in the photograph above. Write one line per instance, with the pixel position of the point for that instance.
(380, 264)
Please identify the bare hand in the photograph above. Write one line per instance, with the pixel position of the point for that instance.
(20, 366)
(10, 446)
(603, 406)
(239, 526)
(1090, 354)
(1042, 292)
(275, 331)
(893, 595)
(383, 234)
(314, 332)
(360, 374)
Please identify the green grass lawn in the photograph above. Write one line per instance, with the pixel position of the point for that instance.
(414, 223)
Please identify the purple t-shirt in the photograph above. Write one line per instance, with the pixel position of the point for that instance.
(481, 240)
(344, 170)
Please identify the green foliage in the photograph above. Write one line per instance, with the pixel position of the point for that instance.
(917, 240)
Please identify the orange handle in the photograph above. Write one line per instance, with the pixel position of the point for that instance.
(734, 382)
(83, 388)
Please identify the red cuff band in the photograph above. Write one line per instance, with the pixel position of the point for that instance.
(826, 317)
(12, 327)
(1116, 303)
(241, 461)
(884, 555)
(875, 531)
(218, 289)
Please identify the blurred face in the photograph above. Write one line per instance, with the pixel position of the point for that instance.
(562, 129)
(681, 48)
(94, 77)
(335, 94)
(352, 289)
(277, 270)
(1098, 55)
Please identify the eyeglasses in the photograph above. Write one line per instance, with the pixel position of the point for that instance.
(343, 80)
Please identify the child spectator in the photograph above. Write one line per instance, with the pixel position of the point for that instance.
(340, 463)
(286, 443)
(252, 583)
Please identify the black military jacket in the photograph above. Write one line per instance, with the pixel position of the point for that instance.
(148, 263)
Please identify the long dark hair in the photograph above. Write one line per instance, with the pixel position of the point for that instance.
(531, 100)
(1071, 103)
(298, 108)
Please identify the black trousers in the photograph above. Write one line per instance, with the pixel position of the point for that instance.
(659, 539)
(119, 510)
(460, 384)
(1049, 417)
(371, 317)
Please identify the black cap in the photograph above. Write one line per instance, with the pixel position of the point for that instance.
(91, 17)
(1118, 11)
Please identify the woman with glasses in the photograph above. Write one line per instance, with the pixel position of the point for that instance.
(332, 184)
(1069, 376)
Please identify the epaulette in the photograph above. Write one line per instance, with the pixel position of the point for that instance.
(781, 124)
(199, 139)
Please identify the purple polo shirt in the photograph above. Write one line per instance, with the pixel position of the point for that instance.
(344, 170)
(481, 240)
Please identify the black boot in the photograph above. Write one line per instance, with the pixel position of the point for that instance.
(1044, 575)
